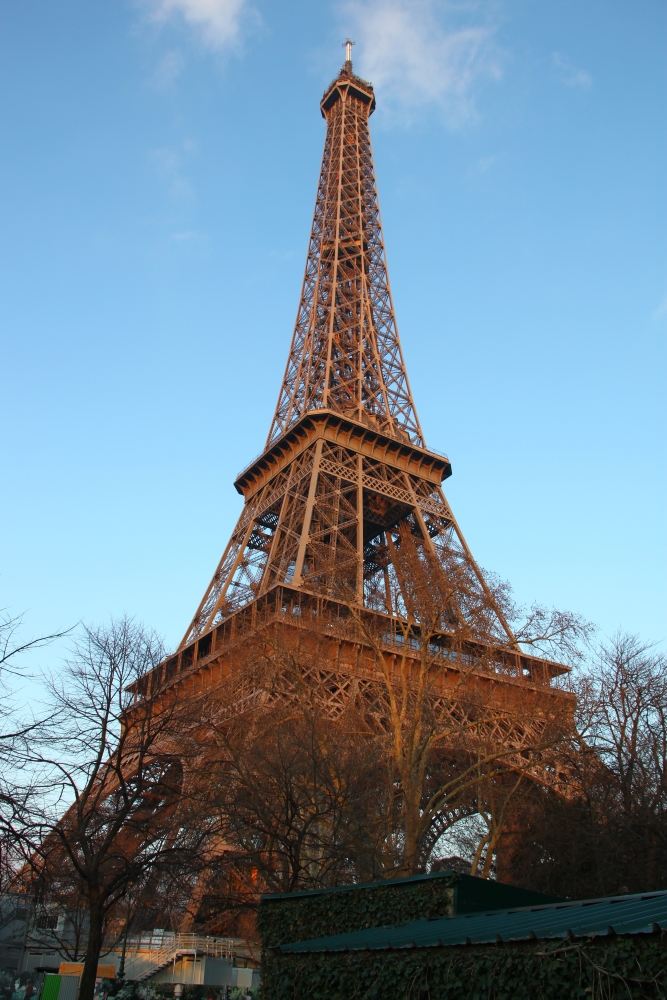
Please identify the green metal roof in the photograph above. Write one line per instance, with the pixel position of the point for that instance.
(482, 894)
(642, 913)
(383, 883)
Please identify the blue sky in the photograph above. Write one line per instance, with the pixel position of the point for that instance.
(158, 176)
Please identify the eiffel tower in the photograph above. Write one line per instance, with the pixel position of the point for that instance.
(344, 474)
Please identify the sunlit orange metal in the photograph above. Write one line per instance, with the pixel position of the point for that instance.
(345, 461)
(345, 354)
(344, 485)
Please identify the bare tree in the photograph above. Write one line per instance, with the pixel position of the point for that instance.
(623, 717)
(295, 787)
(118, 811)
(445, 741)
(18, 786)
(611, 836)
(11, 648)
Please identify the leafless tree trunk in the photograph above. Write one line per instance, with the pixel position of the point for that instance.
(293, 786)
(18, 787)
(445, 742)
(611, 836)
(118, 810)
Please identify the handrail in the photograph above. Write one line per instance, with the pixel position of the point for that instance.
(170, 942)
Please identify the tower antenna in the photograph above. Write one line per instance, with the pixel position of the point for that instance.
(348, 43)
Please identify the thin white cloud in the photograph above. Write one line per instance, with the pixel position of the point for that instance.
(170, 66)
(188, 236)
(660, 311)
(218, 23)
(168, 165)
(485, 163)
(422, 52)
(569, 74)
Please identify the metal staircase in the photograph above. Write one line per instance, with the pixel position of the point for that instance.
(145, 956)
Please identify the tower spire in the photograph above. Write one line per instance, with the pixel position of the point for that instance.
(348, 55)
(345, 354)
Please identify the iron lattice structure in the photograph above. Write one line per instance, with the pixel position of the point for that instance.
(344, 486)
(345, 354)
(344, 489)
(345, 463)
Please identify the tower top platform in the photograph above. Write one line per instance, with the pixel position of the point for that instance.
(348, 83)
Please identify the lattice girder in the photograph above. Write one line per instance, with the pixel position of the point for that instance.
(328, 520)
(345, 472)
(506, 695)
(345, 354)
